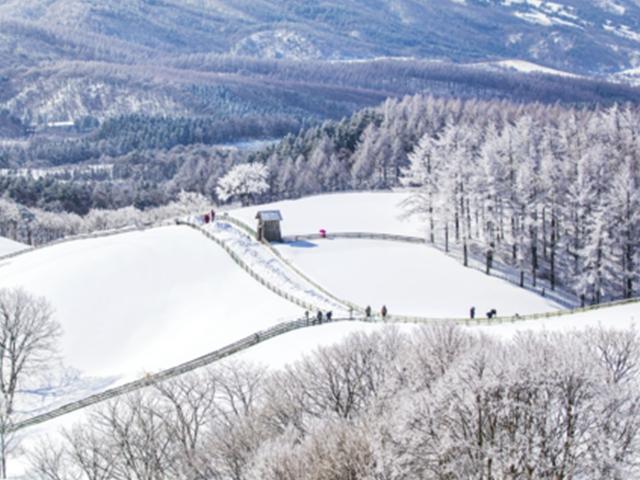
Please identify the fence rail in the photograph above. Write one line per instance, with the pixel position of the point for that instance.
(153, 379)
(83, 236)
(350, 305)
(245, 266)
(267, 334)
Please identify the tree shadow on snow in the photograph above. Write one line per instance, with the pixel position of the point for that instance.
(301, 244)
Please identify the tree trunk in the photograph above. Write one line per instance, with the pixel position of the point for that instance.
(553, 251)
(3, 455)
(446, 237)
(431, 224)
(489, 261)
(465, 252)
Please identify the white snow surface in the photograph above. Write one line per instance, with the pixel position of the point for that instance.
(143, 301)
(340, 212)
(410, 279)
(8, 246)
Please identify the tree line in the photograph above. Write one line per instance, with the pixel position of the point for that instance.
(437, 403)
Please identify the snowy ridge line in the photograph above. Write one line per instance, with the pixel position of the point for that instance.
(240, 224)
(247, 268)
(83, 236)
(498, 271)
(153, 379)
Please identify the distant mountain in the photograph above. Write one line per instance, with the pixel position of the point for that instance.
(65, 62)
(589, 37)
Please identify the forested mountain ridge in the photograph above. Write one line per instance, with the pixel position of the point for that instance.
(289, 62)
(586, 37)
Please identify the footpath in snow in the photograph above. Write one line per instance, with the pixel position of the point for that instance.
(272, 269)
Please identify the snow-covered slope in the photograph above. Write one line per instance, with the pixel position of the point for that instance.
(522, 66)
(9, 246)
(410, 279)
(340, 212)
(146, 300)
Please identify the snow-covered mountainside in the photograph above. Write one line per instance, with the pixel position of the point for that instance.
(574, 35)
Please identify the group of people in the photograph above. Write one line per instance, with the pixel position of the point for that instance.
(328, 316)
(209, 217)
(383, 311)
(490, 314)
(319, 317)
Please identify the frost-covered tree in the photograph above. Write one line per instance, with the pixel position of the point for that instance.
(244, 182)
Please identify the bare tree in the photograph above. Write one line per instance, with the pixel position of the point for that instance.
(28, 339)
(49, 460)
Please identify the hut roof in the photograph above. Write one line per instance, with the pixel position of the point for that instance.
(269, 215)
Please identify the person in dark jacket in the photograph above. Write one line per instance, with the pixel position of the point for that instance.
(319, 317)
(383, 311)
(367, 311)
(329, 315)
(472, 312)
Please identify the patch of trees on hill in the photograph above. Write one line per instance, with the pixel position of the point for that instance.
(553, 191)
(441, 403)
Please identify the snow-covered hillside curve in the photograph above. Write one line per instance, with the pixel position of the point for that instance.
(8, 246)
(144, 300)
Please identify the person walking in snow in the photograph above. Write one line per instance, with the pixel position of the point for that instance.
(306, 316)
(329, 315)
(319, 317)
(367, 311)
(472, 313)
(213, 215)
(384, 312)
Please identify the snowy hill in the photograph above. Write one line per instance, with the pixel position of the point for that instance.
(141, 301)
(409, 279)
(9, 246)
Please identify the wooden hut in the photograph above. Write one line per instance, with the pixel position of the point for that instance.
(269, 225)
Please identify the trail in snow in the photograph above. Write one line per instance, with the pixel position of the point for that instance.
(273, 269)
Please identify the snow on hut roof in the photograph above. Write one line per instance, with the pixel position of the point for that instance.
(269, 215)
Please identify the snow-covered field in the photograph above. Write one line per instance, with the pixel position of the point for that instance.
(142, 301)
(411, 279)
(340, 212)
(9, 246)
